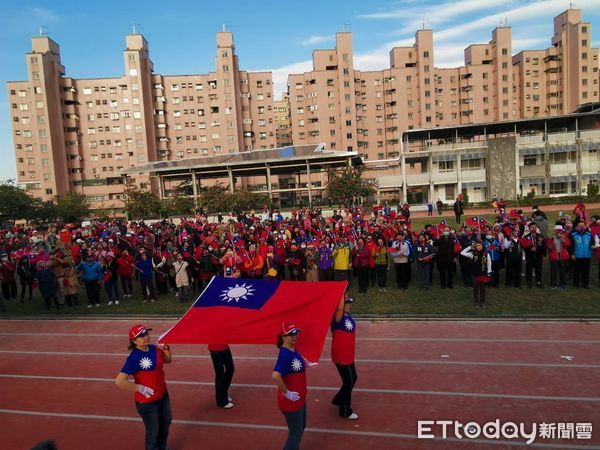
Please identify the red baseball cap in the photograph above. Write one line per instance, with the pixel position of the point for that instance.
(136, 330)
(289, 328)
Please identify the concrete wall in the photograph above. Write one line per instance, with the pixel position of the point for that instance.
(502, 172)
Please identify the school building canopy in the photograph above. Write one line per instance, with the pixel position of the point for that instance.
(291, 161)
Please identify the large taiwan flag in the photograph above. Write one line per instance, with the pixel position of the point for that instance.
(248, 311)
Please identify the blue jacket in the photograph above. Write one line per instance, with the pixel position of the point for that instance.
(46, 283)
(582, 244)
(146, 267)
(91, 272)
(495, 253)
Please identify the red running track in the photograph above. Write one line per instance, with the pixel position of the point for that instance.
(57, 381)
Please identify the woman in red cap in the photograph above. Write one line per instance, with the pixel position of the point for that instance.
(343, 332)
(289, 376)
(145, 365)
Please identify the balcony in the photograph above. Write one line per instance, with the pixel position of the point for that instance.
(590, 166)
(472, 175)
(444, 177)
(563, 169)
(417, 179)
(561, 137)
(532, 171)
(389, 181)
(590, 135)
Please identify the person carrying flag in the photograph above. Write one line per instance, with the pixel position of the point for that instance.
(145, 365)
(222, 360)
(289, 376)
(343, 335)
(481, 270)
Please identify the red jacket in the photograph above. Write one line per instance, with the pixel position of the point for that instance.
(564, 254)
(125, 268)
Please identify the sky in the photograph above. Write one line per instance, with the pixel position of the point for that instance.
(269, 35)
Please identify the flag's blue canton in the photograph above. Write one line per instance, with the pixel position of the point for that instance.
(237, 293)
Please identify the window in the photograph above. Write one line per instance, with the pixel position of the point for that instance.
(446, 166)
(559, 188)
(449, 191)
(530, 160)
(470, 164)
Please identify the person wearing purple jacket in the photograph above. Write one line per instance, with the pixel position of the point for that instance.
(325, 263)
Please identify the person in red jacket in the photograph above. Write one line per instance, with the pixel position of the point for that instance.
(125, 270)
(343, 330)
(558, 254)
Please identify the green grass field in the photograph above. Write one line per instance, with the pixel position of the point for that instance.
(501, 302)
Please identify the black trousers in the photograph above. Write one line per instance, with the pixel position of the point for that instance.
(478, 292)
(581, 272)
(513, 273)
(465, 271)
(9, 289)
(446, 271)
(381, 273)
(26, 285)
(326, 274)
(363, 279)
(224, 369)
(496, 273)
(343, 398)
(457, 217)
(92, 288)
(533, 264)
(558, 273)
(402, 278)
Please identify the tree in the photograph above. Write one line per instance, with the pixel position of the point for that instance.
(72, 207)
(344, 186)
(142, 204)
(179, 205)
(15, 203)
(593, 189)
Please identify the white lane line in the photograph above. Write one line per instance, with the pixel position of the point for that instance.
(363, 361)
(324, 388)
(478, 442)
(470, 340)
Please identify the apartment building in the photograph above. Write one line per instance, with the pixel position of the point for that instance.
(352, 110)
(283, 126)
(78, 134)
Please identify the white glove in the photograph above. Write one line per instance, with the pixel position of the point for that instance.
(311, 364)
(145, 390)
(291, 395)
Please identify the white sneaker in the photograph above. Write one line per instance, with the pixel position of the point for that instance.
(352, 416)
(152, 301)
(176, 294)
(110, 303)
(89, 306)
(97, 305)
(116, 302)
(228, 406)
(144, 301)
(229, 399)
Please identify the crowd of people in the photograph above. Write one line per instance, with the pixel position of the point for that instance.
(351, 245)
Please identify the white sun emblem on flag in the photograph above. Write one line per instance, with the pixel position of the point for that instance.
(296, 365)
(348, 325)
(237, 293)
(145, 362)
